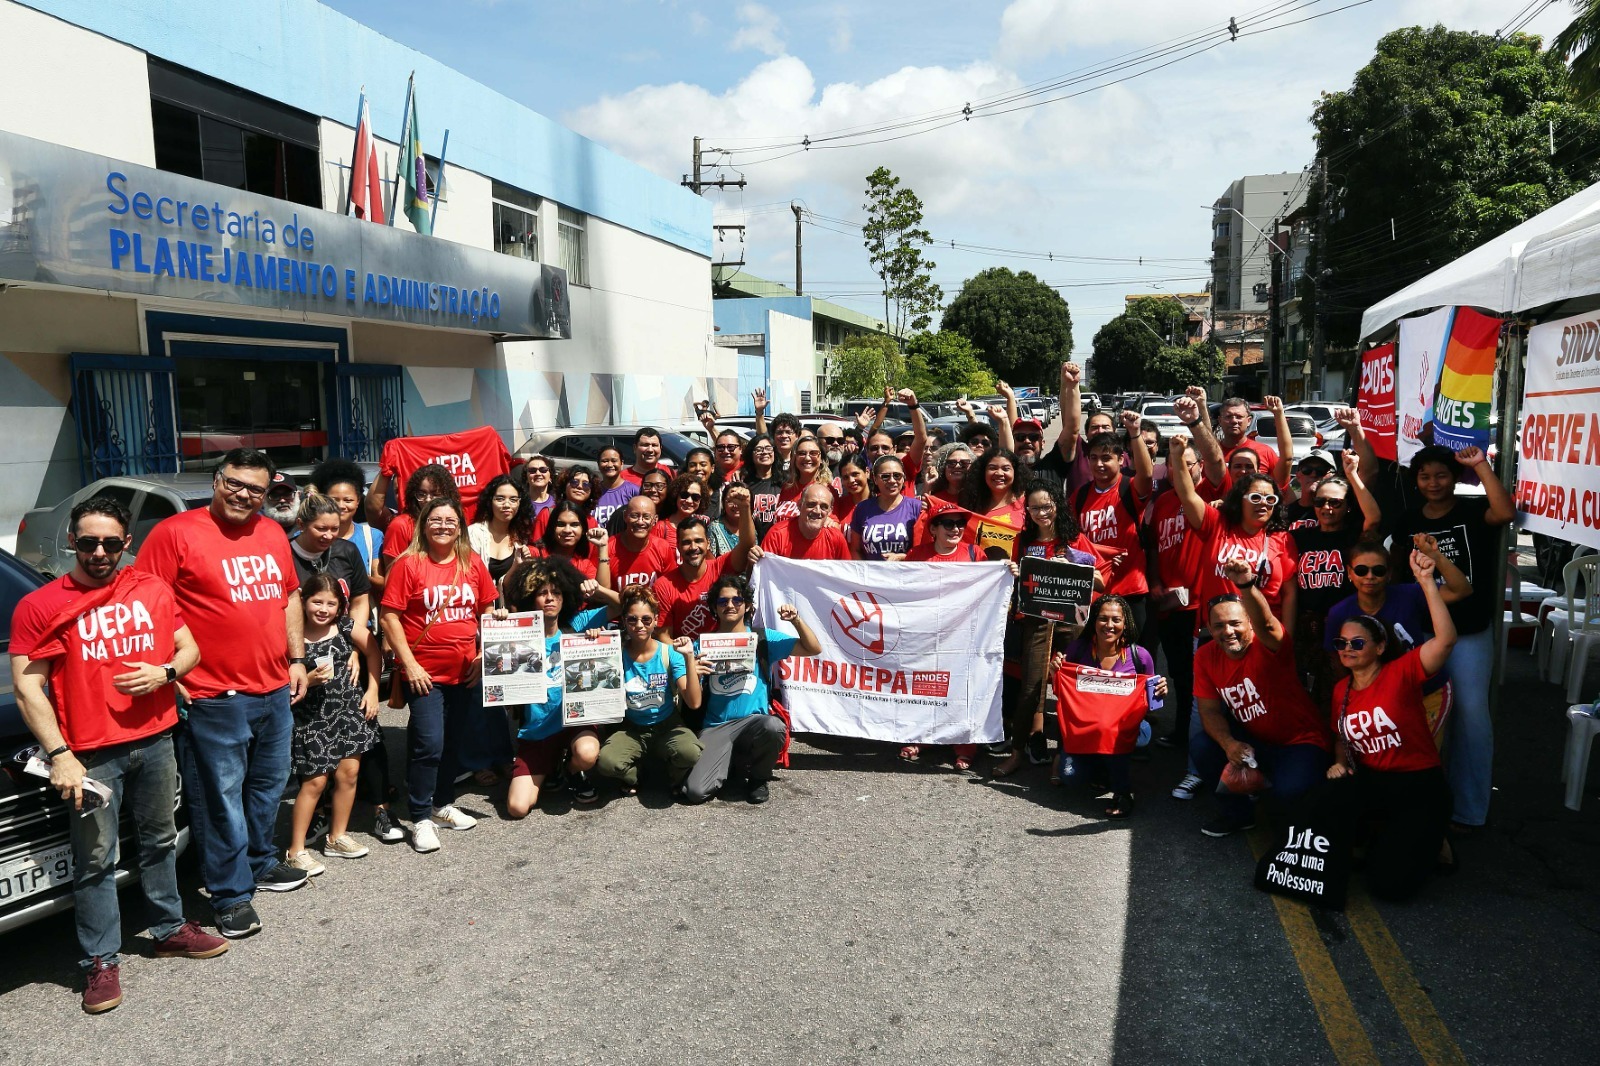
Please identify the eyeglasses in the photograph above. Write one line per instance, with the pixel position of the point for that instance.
(234, 486)
(727, 447)
(538, 469)
(87, 545)
(1041, 508)
(959, 464)
(1352, 643)
(1029, 436)
(765, 449)
(1261, 497)
(1325, 502)
(891, 475)
(577, 484)
(639, 620)
(980, 442)
(729, 601)
(947, 523)
(1363, 570)
(809, 454)
(831, 440)
(654, 486)
(695, 496)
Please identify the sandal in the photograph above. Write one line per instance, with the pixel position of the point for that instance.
(963, 764)
(911, 753)
(1011, 765)
(1121, 805)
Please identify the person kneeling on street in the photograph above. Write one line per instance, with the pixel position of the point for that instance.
(741, 737)
(656, 676)
(1270, 724)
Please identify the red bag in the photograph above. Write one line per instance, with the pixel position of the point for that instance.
(778, 711)
(1244, 780)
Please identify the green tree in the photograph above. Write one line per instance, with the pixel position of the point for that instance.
(895, 238)
(865, 366)
(944, 366)
(1122, 347)
(1021, 326)
(1174, 367)
(1441, 142)
(1579, 43)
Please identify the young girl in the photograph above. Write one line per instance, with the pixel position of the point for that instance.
(334, 725)
(656, 676)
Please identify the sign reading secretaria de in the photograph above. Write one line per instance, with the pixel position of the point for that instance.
(1558, 471)
(910, 653)
(77, 219)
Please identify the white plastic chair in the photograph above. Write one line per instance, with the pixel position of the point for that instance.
(1519, 596)
(1581, 731)
(1583, 624)
(1551, 642)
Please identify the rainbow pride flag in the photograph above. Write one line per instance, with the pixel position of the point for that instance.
(1466, 381)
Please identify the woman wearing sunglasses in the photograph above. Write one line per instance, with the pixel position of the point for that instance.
(656, 677)
(881, 528)
(576, 486)
(1321, 552)
(1467, 529)
(741, 737)
(685, 499)
(807, 468)
(1387, 780)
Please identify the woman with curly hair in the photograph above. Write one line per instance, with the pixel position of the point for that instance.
(760, 473)
(557, 590)
(503, 524)
(993, 495)
(656, 677)
(426, 483)
(576, 486)
(685, 498)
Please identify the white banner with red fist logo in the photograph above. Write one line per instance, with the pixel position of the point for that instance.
(911, 652)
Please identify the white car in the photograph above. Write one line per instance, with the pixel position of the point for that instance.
(1163, 414)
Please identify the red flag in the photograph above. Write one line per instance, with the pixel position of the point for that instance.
(1099, 711)
(366, 186)
(1375, 401)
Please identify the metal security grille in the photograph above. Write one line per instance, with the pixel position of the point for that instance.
(124, 409)
(371, 409)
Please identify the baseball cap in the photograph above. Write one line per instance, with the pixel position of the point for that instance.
(281, 481)
(1028, 423)
(1318, 455)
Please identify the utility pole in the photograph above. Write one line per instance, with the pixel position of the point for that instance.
(1319, 335)
(799, 275)
(693, 182)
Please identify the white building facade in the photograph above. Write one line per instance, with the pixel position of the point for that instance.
(146, 159)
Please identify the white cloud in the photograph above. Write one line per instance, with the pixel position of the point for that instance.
(1030, 29)
(759, 29)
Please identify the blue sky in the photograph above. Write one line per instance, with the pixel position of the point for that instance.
(1124, 171)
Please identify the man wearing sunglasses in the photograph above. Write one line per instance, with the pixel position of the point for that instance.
(237, 588)
(112, 647)
(1253, 709)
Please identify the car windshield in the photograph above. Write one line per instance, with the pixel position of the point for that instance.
(1159, 409)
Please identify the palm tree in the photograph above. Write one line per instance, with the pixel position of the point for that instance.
(1579, 43)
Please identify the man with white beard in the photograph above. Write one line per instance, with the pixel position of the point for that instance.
(282, 502)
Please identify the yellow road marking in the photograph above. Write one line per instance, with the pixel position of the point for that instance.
(1427, 1029)
(1340, 1023)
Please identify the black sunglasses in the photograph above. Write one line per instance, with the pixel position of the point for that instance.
(1362, 570)
(1352, 643)
(87, 545)
(729, 601)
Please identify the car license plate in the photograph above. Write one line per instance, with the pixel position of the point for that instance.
(38, 872)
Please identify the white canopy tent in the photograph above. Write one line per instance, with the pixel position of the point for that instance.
(1554, 256)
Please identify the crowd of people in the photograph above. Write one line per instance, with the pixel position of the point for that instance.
(1315, 654)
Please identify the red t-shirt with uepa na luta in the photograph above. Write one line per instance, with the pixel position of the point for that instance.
(439, 605)
(474, 457)
(1385, 724)
(1262, 692)
(89, 636)
(233, 583)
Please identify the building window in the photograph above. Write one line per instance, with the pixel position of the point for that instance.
(211, 130)
(573, 245)
(516, 222)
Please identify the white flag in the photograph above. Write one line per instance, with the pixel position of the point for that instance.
(911, 652)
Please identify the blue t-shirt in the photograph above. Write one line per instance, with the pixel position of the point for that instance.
(650, 686)
(729, 697)
(368, 542)
(540, 720)
(883, 532)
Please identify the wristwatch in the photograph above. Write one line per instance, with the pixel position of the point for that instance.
(172, 672)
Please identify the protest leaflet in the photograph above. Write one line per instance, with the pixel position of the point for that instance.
(1055, 589)
(513, 659)
(732, 657)
(591, 679)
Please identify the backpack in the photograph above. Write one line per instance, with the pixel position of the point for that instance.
(1124, 493)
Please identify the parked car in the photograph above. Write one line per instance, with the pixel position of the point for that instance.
(746, 424)
(581, 446)
(1163, 414)
(35, 849)
(1089, 402)
(42, 535)
(1321, 413)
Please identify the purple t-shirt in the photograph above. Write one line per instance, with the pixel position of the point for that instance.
(613, 500)
(881, 532)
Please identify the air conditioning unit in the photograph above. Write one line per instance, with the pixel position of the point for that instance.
(805, 401)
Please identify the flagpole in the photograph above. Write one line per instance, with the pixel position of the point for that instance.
(349, 185)
(438, 189)
(405, 139)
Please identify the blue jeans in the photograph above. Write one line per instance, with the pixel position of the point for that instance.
(1293, 770)
(143, 777)
(235, 754)
(433, 740)
(1470, 747)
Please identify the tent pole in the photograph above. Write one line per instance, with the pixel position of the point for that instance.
(1510, 406)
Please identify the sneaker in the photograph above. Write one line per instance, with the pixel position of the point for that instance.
(319, 826)
(282, 878)
(103, 988)
(384, 829)
(343, 847)
(1188, 788)
(304, 860)
(190, 942)
(424, 837)
(584, 789)
(758, 792)
(1223, 826)
(238, 921)
(1000, 749)
(453, 817)
(1038, 749)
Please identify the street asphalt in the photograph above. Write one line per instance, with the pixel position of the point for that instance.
(872, 912)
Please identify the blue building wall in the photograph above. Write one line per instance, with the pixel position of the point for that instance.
(311, 57)
(753, 315)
